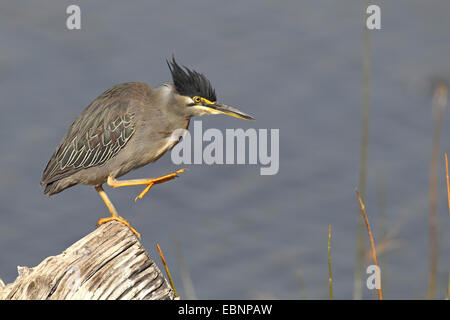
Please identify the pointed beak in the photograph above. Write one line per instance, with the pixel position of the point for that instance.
(229, 111)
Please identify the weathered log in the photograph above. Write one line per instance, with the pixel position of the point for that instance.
(109, 263)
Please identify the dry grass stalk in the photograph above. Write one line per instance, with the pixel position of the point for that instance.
(167, 270)
(372, 243)
(448, 198)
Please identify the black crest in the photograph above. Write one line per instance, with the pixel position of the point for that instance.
(191, 83)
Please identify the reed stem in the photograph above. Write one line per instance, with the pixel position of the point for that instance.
(372, 243)
(330, 278)
(439, 103)
(167, 270)
(364, 148)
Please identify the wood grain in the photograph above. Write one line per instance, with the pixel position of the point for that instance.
(107, 264)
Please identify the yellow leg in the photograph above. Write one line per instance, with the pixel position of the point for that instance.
(137, 182)
(112, 210)
(108, 202)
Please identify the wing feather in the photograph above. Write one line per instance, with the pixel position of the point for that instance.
(97, 135)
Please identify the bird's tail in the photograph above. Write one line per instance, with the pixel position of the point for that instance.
(56, 187)
(50, 188)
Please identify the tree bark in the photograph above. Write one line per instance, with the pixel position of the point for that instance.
(109, 263)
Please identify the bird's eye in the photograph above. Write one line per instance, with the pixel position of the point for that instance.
(197, 99)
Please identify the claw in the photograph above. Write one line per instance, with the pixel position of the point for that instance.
(121, 220)
(142, 194)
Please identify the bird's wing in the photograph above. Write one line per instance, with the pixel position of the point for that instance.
(96, 136)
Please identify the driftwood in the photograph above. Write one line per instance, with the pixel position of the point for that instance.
(109, 263)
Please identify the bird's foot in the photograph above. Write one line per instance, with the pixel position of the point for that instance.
(142, 194)
(158, 180)
(121, 220)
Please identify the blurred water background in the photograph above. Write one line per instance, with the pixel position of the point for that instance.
(295, 66)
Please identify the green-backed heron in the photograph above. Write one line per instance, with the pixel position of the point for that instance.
(127, 127)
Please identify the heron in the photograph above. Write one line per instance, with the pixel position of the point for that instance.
(127, 127)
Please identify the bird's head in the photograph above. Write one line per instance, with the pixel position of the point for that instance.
(198, 94)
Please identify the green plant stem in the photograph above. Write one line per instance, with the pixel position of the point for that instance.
(330, 277)
(357, 289)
